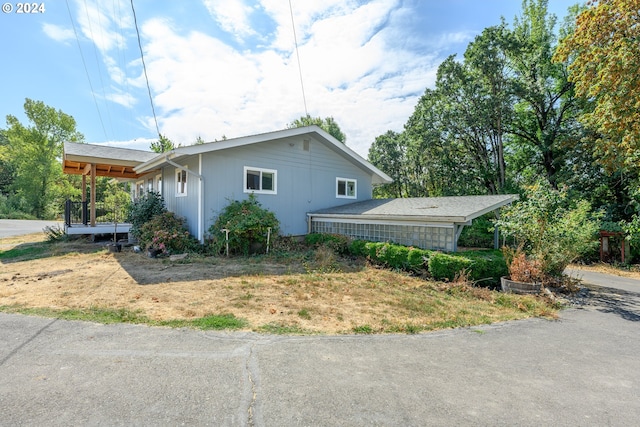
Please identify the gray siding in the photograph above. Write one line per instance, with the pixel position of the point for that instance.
(184, 206)
(306, 181)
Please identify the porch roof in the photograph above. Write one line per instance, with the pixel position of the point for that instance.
(111, 162)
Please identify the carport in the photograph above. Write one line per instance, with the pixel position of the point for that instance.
(426, 222)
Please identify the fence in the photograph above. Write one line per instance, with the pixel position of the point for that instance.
(78, 213)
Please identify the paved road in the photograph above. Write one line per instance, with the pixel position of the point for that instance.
(581, 370)
(18, 227)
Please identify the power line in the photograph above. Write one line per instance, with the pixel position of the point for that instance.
(144, 67)
(95, 52)
(84, 63)
(295, 38)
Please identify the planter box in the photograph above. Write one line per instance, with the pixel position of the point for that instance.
(514, 287)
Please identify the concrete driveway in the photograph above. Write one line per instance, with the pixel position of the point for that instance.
(19, 227)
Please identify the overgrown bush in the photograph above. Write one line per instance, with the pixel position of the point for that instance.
(247, 223)
(168, 233)
(143, 210)
(550, 227)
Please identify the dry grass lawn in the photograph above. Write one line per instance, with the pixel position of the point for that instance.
(305, 292)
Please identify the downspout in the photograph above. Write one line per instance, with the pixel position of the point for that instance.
(200, 188)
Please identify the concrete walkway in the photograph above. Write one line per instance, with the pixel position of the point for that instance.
(581, 370)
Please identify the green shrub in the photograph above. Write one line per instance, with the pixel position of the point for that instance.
(337, 242)
(143, 210)
(417, 259)
(168, 233)
(358, 248)
(446, 267)
(487, 266)
(247, 222)
(394, 256)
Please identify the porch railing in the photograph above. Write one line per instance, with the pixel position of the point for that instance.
(76, 213)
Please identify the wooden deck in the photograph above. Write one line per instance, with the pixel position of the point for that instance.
(103, 228)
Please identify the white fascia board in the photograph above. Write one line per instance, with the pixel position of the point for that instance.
(395, 218)
(155, 163)
(504, 202)
(387, 221)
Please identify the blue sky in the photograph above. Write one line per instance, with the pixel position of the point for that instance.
(229, 67)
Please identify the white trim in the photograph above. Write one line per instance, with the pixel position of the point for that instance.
(139, 185)
(319, 135)
(346, 186)
(200, 201)
(158, 183)
(260, 190)
(181, 172)
(380, 222)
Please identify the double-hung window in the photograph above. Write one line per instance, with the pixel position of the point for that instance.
(258, 180)
(346, 188)
(181, 182)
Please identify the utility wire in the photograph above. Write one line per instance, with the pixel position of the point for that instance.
(95, 52)
(295, 38)
(144, 67)
(84, 63)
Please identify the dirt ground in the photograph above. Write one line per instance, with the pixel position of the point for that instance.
(320, 294)
(82, 275)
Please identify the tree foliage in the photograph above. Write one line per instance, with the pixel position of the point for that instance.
(605, 67)
(546, 108)
(34, 151)
(554, 229)
(162, 145)
(499, 117)
(327, 124)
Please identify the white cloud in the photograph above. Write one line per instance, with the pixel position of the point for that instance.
(58, 33)
(232, 15)
(203, 87)
(122, 98)
(356, 67)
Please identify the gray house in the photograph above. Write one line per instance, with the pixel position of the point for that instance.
(310, 180)
(291, 172)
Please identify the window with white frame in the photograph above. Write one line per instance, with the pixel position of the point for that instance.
(258, 180)
(139, 189)
(159, 184)
(181, 182)
(149, 185)
(346, 188)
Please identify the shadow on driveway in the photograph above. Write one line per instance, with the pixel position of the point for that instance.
(623, 303)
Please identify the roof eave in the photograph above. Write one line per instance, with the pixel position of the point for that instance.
(412, 218)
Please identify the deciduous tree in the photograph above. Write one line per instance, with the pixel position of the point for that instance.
(35, 150)
(604, 57)
(328, 124)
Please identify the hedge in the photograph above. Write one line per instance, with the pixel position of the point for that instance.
(484, 266)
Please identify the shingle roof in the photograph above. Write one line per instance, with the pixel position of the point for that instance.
(74, 150)
(112, 162)
(458, 209)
